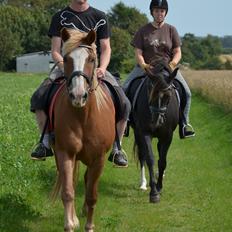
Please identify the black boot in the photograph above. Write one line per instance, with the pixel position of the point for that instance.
(186, 131)
(41, 152)
(118, 158)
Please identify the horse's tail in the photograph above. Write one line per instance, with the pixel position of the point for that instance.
(57, 187)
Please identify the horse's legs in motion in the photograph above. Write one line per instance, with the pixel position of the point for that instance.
(92, 175)
(163, 146)
(145, 148)
(66, 168)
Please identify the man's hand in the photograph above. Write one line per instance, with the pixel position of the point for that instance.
(101, 72)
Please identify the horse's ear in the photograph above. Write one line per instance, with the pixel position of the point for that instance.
(173, 74)
(64, 34)
(90, 38)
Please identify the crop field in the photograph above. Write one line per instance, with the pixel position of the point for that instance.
(197, 185)
(215, 86)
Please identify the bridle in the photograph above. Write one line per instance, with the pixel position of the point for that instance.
(89, 79)
(159, 110)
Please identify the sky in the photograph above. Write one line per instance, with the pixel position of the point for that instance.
(199, 17)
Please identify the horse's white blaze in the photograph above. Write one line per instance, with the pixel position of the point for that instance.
(79, 57)
(143, 184)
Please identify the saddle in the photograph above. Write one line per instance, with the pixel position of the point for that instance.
(115, 93)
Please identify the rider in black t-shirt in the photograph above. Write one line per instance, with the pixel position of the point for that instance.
(82, 21)
(80, 16)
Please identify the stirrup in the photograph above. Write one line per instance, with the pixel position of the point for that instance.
(113, 159)
(184, 129)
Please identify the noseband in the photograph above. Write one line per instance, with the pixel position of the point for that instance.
(81, 73)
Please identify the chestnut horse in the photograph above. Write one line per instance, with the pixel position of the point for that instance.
(84, 125)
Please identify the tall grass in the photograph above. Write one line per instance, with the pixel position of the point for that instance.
(197, 186)
(213, 85)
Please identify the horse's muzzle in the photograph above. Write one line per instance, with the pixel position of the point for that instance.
(78, 100)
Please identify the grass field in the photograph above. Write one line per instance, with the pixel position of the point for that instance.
(197, 186)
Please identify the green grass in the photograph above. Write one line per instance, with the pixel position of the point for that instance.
(197, 186)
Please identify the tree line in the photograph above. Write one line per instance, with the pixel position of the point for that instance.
(24, 26)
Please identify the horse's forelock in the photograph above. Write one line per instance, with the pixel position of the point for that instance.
(76, 39)
(158, 65)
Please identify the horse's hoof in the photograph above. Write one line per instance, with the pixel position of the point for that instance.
(89, 228)
(143, 187)
(155, 198)
(76, 224)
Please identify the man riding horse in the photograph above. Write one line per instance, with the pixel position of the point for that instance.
(80, 16)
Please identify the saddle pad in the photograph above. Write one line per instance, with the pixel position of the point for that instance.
(52, 104)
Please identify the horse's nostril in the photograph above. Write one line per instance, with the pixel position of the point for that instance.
(85, 96)
(71, 95)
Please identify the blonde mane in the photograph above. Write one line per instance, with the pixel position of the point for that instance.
(77, 38)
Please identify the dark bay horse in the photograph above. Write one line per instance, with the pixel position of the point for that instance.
(84, 122)
(154, 114)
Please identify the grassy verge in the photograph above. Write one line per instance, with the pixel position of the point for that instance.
(197, 186)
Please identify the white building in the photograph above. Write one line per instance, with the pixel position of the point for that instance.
(37, 62)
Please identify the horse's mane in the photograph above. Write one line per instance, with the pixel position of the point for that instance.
(76, 39)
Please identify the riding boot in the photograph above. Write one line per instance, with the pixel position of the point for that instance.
(119, 159)
(41, 152)
(185, 130)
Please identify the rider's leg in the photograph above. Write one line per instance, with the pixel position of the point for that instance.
(136, 72)
(43, 149)
(187, 128)
(41, 121)
(117, 154)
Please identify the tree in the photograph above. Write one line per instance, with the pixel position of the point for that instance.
(126, 18)
(124, 22)
(27, 27)
(201, 53)
(121, 52)
(9, 47)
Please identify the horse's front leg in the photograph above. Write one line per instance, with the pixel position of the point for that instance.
(66, 167)
(163, 146)
(92, 177)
